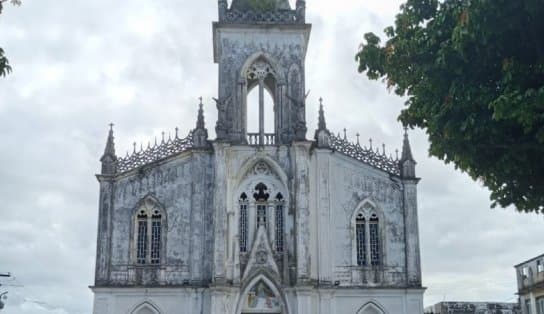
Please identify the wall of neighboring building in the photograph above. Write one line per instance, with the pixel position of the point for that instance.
(530, 276)
(473, 308)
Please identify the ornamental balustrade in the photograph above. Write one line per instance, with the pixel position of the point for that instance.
(365, 154)
(165, 149)
(264, 17)
(267, 139)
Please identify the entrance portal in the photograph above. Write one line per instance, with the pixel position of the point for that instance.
(261, 299)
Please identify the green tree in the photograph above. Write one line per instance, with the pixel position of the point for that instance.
(473, 75)
(5, 68)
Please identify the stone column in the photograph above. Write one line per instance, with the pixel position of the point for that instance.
(413, 260)
(103, 246)
(261, 112)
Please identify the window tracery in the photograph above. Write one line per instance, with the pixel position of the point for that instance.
(368, 238)
(148, 236)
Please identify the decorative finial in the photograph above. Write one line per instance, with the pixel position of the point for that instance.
(177, 130)
(358, 135)
(383, 149)
(345, 134)
(200, 133)
(407, 162)
(370, 141)
(162, 141)
(109, 158)
(322, 124)
(134, 147)
(406, 149)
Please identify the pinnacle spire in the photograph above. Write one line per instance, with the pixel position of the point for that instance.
(406, 149)
(200, 133)
(200, 123)
(109, 158)
(407, 163)
(322, 124)
(322, 134)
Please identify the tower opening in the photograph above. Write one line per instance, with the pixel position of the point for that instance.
(253, 112)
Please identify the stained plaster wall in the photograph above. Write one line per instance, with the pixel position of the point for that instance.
(339, 186)
(182, 186)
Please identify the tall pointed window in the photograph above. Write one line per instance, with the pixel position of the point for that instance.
(261, 198)
(367, 244)
(360, 234)
(374, 240)
(149, 233)
(243, 227)
(279, 223)
(261, 75)
(142, 238)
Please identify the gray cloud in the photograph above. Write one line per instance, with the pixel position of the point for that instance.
(80, 64)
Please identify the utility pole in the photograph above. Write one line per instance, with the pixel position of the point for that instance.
(3, 294)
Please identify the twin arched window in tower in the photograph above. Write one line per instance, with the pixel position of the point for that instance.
(264, 209)
(149, 233)
(367, 237)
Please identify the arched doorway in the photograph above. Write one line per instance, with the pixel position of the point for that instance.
(261, 297)
(371, 308)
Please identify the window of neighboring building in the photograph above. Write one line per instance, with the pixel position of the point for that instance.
(525, 272)
(148, 230)
(528, 306)
(540, 305)
(539, 266)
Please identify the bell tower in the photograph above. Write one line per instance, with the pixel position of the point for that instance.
(261, 44)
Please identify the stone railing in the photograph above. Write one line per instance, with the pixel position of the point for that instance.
(265, 17)
(165, 149)
(268, 139)
(365, 154)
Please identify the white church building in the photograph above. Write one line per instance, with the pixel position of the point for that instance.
(263, 221)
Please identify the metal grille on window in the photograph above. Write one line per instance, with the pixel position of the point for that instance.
(243, 223)
(156, 238)
(374, 241)
(141, 250)
(279, 223)
(360, 232)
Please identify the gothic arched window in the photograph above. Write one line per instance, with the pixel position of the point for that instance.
(368, 237)
(279, 222)
(360, 234)
(373, 228)
(149, 230)
(243, 222)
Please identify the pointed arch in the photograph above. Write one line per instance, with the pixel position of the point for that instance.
(148, 231)
(276, 169)
(258, 278)
(372, 307)
(145, 308)
(368, 234)
(264, 56)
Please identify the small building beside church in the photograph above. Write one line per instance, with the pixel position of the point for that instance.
(530, 276)
(257, 221)
(473, 308)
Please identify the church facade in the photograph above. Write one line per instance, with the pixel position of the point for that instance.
(258, 222)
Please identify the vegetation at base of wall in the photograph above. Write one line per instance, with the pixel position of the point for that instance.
(473, 76)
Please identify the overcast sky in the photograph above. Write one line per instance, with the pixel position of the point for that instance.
(79, 65)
